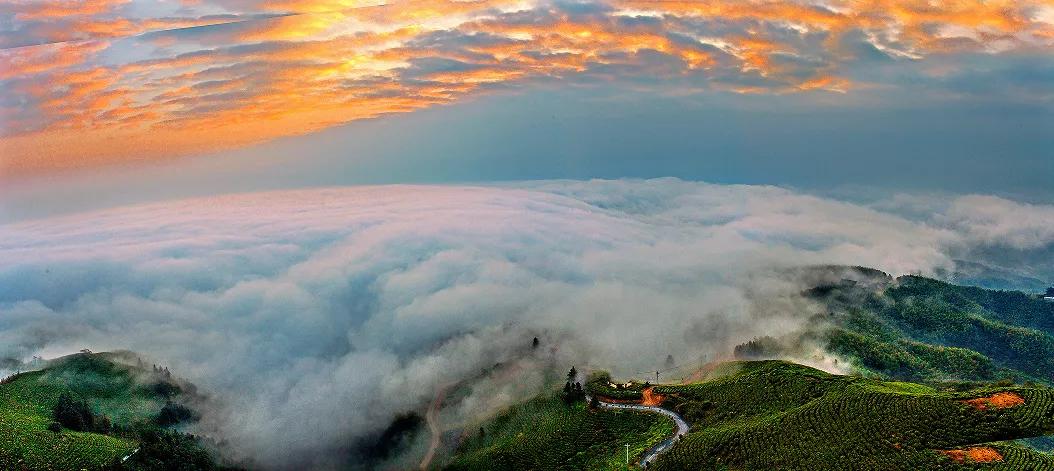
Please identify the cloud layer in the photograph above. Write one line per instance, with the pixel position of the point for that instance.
(316, 316)
(87, 83)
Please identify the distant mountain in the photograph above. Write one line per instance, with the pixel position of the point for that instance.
(986, 276)
(921, 329)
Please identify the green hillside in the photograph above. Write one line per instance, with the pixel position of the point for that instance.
(929, 354)
(128, 406)
(779, 415)
(547, 433)
(921, 329)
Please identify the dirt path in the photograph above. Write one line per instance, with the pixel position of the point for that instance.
(432, 417)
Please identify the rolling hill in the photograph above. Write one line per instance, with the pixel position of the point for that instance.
(780, 415)
(124, 424)
(947, 377)
(548, 433)
(921, 329)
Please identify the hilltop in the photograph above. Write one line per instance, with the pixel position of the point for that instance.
(98, 411)
(776, 415)
(945, 377)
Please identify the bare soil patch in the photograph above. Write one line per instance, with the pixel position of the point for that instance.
(996, 401)
(977, 454)
(652, 398)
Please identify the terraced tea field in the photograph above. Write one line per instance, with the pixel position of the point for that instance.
(26, 403)
(778, 415)
(546, 433)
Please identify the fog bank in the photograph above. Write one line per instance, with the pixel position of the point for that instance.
(316, 316)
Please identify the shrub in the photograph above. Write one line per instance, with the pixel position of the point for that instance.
(73, 414)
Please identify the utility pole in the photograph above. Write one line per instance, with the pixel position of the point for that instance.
(627, 456)
(656, 377)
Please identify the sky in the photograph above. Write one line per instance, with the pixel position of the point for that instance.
(195, 96)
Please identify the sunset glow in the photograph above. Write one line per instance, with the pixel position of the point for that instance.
(86, 83)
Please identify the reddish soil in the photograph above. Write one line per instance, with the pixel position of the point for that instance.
(651, 398)
(997, 401)
(977, 454)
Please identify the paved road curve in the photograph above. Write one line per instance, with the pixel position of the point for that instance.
(655, 451)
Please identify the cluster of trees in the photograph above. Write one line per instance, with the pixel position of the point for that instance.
(573, 391)
(162, 372)
(760, 347)
(75, 414)
(159, 449)
(174, 413)
(164, 450)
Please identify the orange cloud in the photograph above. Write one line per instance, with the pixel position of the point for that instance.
(87, 103)
(34, 10)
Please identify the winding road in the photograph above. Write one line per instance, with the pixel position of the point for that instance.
(655, 451)
(432, 417)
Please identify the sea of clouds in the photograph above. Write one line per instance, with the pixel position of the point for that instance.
(315, 316)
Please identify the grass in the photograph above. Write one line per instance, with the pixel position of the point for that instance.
(545, 433)
(779, 415)
(26, 403)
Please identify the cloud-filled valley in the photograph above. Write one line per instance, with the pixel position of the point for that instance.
(301, 310)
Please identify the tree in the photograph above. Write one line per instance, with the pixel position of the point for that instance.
(669, 361)
(534, 344)
(174, 413)
(73, 414)
(571, 375)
